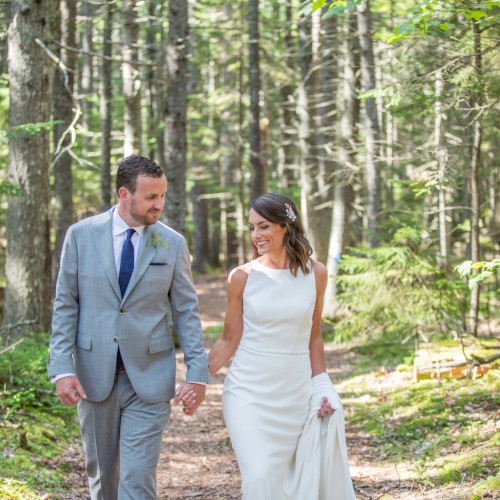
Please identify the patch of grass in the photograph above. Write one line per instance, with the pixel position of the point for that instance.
(35, 428)
(447, 430)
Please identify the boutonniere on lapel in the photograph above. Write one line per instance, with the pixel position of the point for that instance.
(156, 240)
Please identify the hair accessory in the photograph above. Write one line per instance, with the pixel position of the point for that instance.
(290, 213)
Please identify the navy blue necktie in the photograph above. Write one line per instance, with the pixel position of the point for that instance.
(127, 262)
(126, 270)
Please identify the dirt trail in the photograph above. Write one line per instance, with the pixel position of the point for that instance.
(197, 460)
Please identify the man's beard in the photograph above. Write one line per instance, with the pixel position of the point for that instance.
(145, 219)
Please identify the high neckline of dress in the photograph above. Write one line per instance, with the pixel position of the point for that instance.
(259, 264)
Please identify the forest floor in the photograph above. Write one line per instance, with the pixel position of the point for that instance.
(197, 461)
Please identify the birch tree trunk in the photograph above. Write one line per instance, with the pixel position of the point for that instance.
(65, 107)
(175, 119)
(28, 247)
(132, 119)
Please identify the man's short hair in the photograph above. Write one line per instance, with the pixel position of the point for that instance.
(131, 167)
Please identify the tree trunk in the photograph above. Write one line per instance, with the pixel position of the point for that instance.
(5, 9)
(371, 125)
(258, 185)
(64, 132)
(344, 194)
(309, 31)
(175, 119)
(155, 94)
(326, 134)
(132, 120)
(28, 247)
(287, 171)
(474, 177)
(106, 111)
(441, 160)
(87, 71)
(231, 175)
(200, 221)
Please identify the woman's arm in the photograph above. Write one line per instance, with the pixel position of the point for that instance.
(316, 346)
(222, 351)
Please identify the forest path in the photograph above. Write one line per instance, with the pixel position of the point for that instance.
(197, 461)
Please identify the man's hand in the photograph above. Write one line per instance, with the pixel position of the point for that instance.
(191, 395)
(69, 390)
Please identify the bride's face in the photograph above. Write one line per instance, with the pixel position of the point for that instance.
(266, 236)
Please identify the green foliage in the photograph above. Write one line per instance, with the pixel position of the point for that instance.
(396, 291)
(485, 270)
(34, 425)
(32, 129)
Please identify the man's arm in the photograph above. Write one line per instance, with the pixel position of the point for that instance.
(64, 325)
(186, 319)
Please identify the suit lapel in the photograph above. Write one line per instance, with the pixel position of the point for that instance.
(102, 235)
(146, 255)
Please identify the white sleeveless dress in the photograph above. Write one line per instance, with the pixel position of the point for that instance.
(267, 391)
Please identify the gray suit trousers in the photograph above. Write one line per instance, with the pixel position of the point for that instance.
(124, 430)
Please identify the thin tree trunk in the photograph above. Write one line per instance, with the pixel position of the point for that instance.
(5, 9)
(28, 247)
(64, 132)
(258, 185)
(287, 171)
(87, 71)
(344, 194)
(175, 120)
(200, 220)
(371, 125)
(106, 109)
(154, 86)
(474, 177)
(132, 120)
(441, 160)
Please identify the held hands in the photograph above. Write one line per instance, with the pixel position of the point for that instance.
(191, 396)
(69, 390)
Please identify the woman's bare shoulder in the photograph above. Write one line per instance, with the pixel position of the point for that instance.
(320, 272)
(238, 277)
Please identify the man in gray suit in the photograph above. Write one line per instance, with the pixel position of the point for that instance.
(111, 352)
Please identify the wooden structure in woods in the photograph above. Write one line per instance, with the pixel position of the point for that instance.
(461, 358)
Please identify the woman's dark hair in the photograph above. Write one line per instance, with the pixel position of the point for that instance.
(280, 209)
(133, 166)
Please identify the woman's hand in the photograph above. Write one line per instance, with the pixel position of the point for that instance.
(326, 408)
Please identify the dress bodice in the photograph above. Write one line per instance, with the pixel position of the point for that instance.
(277, 310)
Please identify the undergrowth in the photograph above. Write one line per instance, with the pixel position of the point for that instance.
(35, 428)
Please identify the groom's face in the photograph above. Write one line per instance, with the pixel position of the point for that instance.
(144, 206)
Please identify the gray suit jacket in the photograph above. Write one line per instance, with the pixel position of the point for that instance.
(91, 319)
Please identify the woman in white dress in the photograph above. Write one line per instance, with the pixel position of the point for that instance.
(283, 416)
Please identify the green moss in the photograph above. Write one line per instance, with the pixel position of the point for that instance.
(35, 428)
